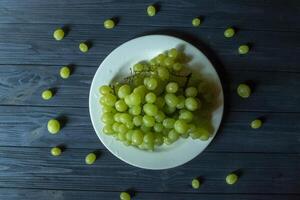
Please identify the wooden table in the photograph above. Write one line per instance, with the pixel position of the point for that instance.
(268, 158)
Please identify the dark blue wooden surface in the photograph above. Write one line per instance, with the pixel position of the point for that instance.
(268, 159)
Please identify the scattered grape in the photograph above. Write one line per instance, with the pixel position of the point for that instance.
(56, 151)
(229, 32)
(83, 47)
(244, 90)
(47, 94)
(231, 179)
(109, 24)
(53, 126)
(90, 158)
(151, 10)
(64, 72)
(59, 34)
(196, 22)
(255, 124)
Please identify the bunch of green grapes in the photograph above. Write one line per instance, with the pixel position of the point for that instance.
(155, 106)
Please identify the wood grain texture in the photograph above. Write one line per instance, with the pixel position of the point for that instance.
(259, 173)
(34, 44)
(30, 194)
(26, 126)
(23, 85)
(249, 14)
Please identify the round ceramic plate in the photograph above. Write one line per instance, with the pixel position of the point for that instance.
(117, 65)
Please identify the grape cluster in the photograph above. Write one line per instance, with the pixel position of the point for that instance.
(154, 106)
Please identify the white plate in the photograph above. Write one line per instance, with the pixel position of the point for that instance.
(118, 63)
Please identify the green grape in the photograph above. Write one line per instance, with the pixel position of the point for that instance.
(110, 99)
(192, 104)
(160, 102)
(244, 90)
(186, 115)
(181, 102)
(138, 67)
(150, 97)
(105, 89)
(125, 196)
(58, 34)
(195, 184)
(163, 73)
(158, 127)
(169, 110)
(115, 126)
(125, 118)
(151, 83)
(172, 87)
(177, 66)
(90, 158)
(137, 120)
(204, 134)
(109, 24)
(107, 129)
(47, 94)
(64, 72)
(169, 123)
(150, 109)
(141, 90)
(160, 116)
(159, 140)
(129, 135)
(56, 151)
(173, 53)
(145, 128)
(121, 106)
(168, 62)
(191, 92)
(127, 100)
(122, 135)
(148, 121)
(135, 99)
(137, 137)
(173, 135)
(160, 58)
(171, 100)
(137, 80)
(148, 138)
(83, 47)
(136, 110)
(197, 133)
(53, 126)
(255, 124)
(229, 32)
(243, 49)
(117, 117)
(196, 22)
(167, 141)
(124, 91)
(108, 118)
(122, 128)
(130, 125)
(151, 11)
(231, 178)
(181, 126)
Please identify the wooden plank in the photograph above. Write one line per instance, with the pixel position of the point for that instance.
(26, 126)
(23, 85)
(257, 15)
(260, 173)
(34, 44)
(29, 194)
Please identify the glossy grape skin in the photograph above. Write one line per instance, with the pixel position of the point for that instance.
(243, 90)
(151, 11)
(58, 34)
(56, 151)
(151, 83)
(125, 196)
(148, 138)
(136, 110)
(150, 97)
(173, 135)
(137, 137)
(181, 126)
(158, 127)
(90, 158)
(160, 116)
(172, 87)
(47, 94)
(243, 49)
(186, 115)
(65, 72)
(195, 184)
(138, 120)
(255, 124)
(171, 100)
(231, 179)
(121, 106)
(163, 73)
(196, 22)
(107, 129)
(83, 47)
(191, 103)
(148, 121)
(109, 24)
(53, 126)
(229, 32)
(168, 123)
(124, 91)
(105, 89)
(150, 109)
(108, 118)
